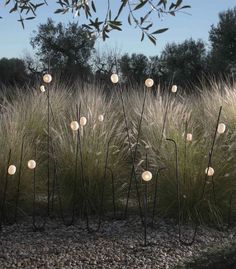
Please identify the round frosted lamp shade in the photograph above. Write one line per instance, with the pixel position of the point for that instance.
(47, 78)
(83, 121)
(74, 125)
(174, 88)
(101, 118)
(31, 164)
(189, 137)
(11, 170)
(149, 82)
(209, 171)
(114, 78)
(221, 128)
(146, 176)
(42, 88)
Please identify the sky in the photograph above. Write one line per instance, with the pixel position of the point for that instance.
(15, 41)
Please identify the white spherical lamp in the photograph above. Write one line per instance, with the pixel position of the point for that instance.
(31, 164)
(174, 88)
(74, 125)
(209, 171)
(189, 137)
(47, 78)
(149, 82)
(146, 176)
(101, 118)
(42, 88)
(83, 121)
(114, 78)
(221, 128)
(11, 170)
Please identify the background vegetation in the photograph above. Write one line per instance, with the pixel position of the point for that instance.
(70, 51)
(26, 113)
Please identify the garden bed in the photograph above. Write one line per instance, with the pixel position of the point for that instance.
(119, 244)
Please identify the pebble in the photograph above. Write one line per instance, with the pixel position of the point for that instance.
(119, 244)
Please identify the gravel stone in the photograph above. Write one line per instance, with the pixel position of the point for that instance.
(119, 244)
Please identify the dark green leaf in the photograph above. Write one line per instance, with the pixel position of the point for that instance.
(187, 6)
(178, 3)
(159, 31)
(129, 20)
(29, 18)
(141, 4)
(60, 10)
(93, 6)
(14, 8)
(152, 39)
(142, 38)
(7, 2)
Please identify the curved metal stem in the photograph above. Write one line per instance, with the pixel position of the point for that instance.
(155, 195)
(35, 226)
(189, 243)
(48, 153)
(89, 229)
(113, 191)
(133, 172)
(19, 180)
(2, 212)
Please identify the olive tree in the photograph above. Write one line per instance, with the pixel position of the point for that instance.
(141, 14)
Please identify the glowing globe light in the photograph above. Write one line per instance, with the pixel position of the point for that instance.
(101, 118)
(11, 170)
(47, 78)
(31, 164)
(221, 128)
(189, 137)
(209, 171)
(114, 78)
(149, 82)
(174, 88)
(42, 88)
(74, 125)
(146, 176)
(83, 121)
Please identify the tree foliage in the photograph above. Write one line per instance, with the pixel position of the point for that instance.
(12, 71)
(183, 62)
(223, 42)
(67, 47)
(141, 14)
(135, 67)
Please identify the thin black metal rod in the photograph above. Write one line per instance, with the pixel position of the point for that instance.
(211, 154)
(48, 153)
(187, 243)
(76, 170)
(213, 189)
(35, 226)
(230, 208)
(101, 206)
(53, 184)
(145, 213)
(53, 187)
(165, 118)
(133, 167)
(155, 195)
(133, 172)
(166, 111)
(2, 212)
(19, 180)
(113, 191)
(57, 187)
(145, 203)
(185, 150)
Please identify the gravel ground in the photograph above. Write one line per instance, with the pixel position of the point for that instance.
(119, 244)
